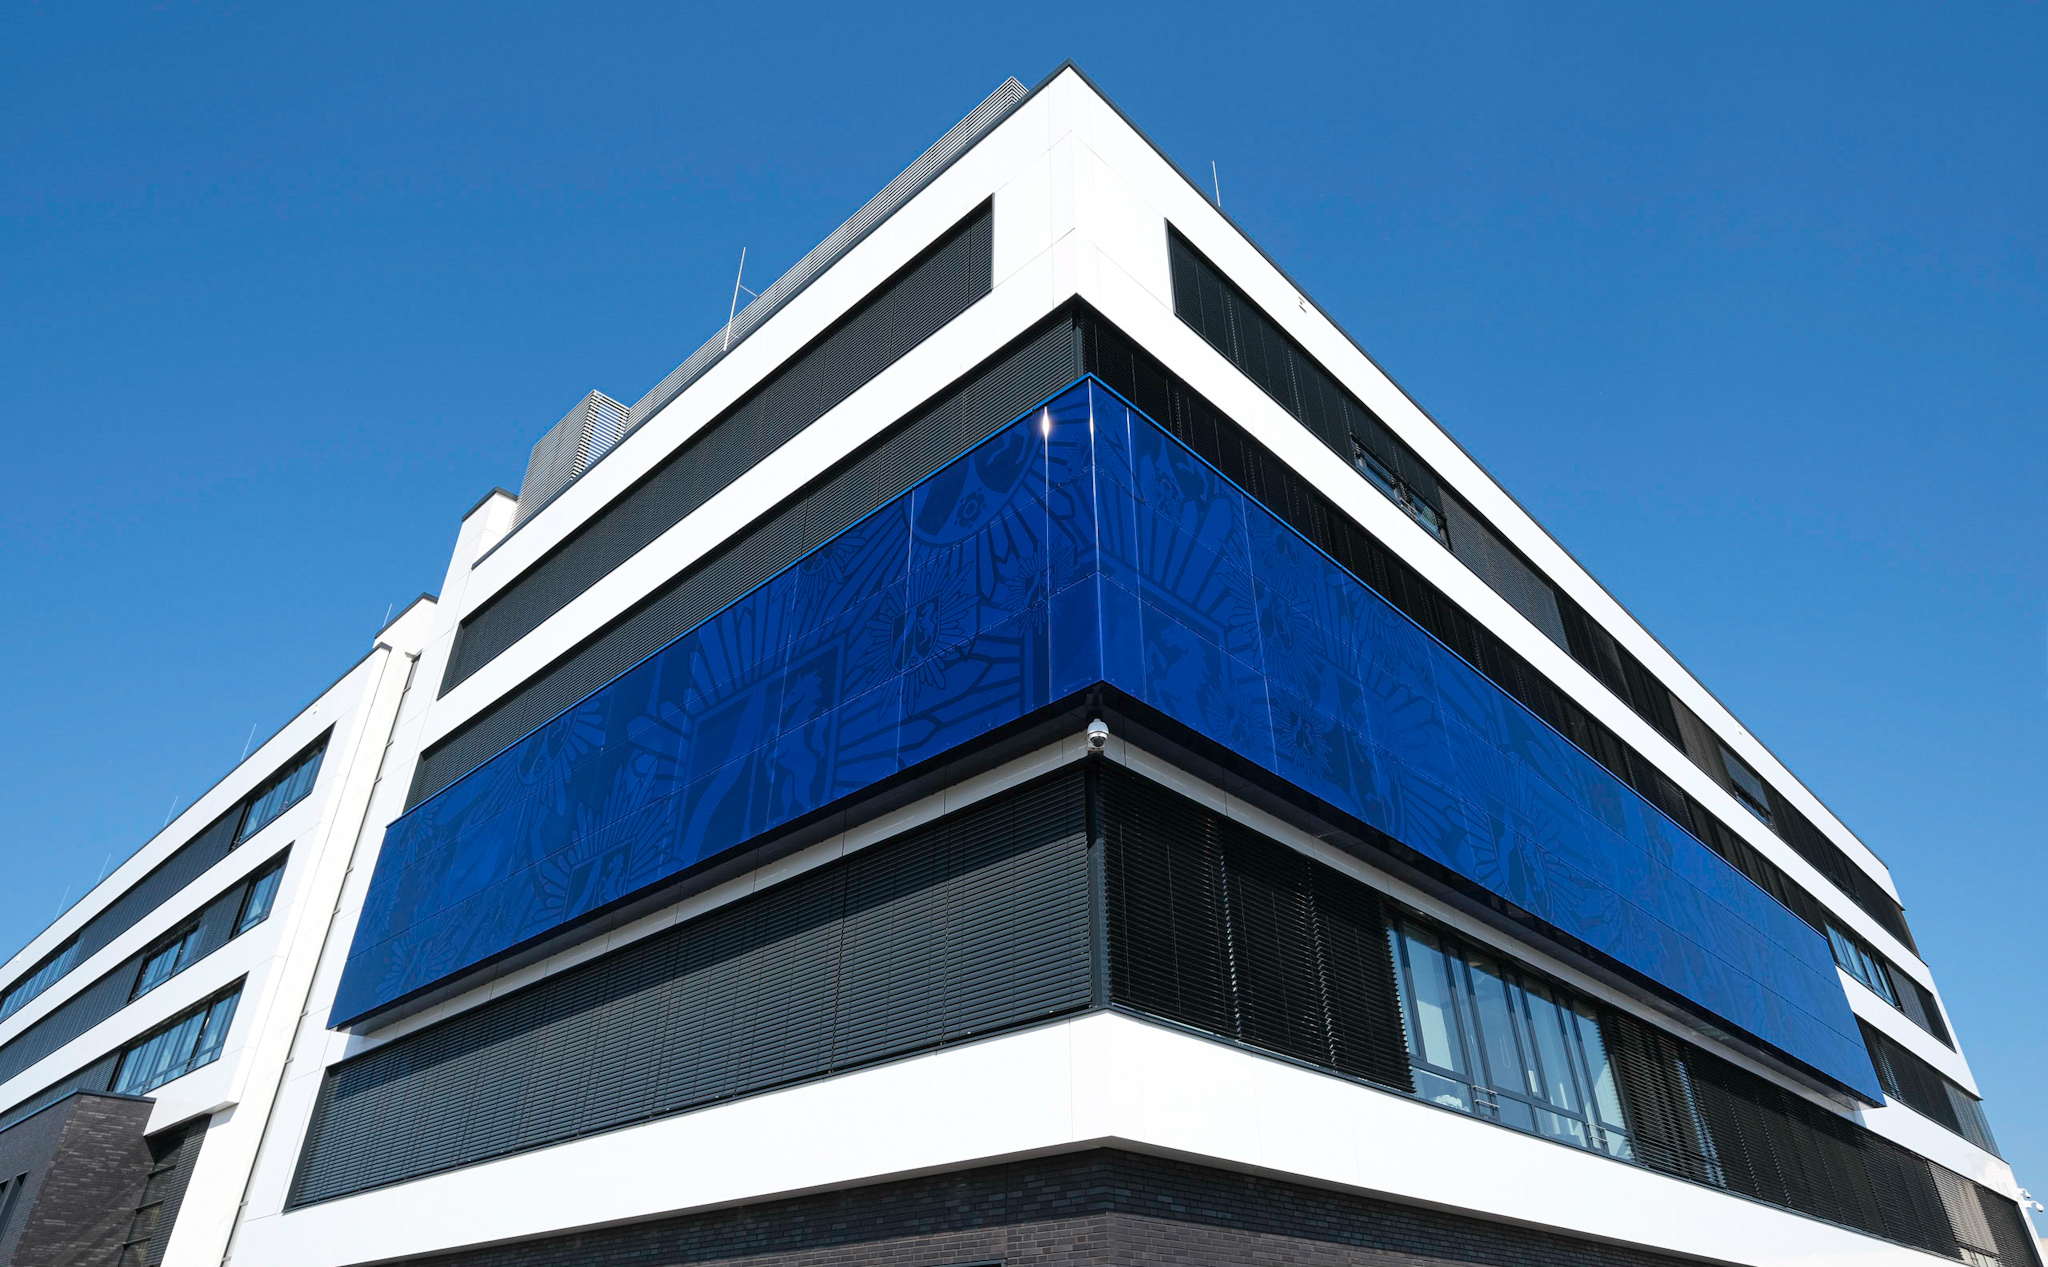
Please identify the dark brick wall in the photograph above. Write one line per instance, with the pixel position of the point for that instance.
(87, 1161)
(1095, 1207)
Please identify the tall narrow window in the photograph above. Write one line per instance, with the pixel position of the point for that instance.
(1749, 788)
(188, 1042)
(259, 898)
(10, 1196)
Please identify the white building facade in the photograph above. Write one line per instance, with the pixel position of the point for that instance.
(1026, 748)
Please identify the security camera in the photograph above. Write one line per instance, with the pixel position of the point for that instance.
(1098, 735)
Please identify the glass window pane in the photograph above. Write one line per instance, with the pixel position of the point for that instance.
(256, 907)
(1436, 1028)
(1557, 1126)
(215, 1034)
(1505, 1067)
(1440, 1090)
(1606, 1099)
(1515, 1113)
(1547, 1025)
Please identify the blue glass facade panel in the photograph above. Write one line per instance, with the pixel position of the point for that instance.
(1082, 544)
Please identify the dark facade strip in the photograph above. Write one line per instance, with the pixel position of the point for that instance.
(212, 927)
(939, 285)
(1701, 1118)
(188, 863)
(981, 402)
(1096, 1207)
(1219, 440)
(971, 924)
(1228, 319)
(1924, 1089)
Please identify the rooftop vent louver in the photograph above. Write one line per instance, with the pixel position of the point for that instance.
(567, 450)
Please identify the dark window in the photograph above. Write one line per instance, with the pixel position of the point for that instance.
(1397, 490)
(10, 1196)
(1749, 789)
(285, 789)
(167, 959)
(187, 1042)
(256, 903)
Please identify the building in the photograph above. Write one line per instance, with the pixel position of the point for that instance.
(1026, 748)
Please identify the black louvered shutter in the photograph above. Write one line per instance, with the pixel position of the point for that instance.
(1223, 930)
(974, 923)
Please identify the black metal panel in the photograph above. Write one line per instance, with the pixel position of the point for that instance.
(904, 311)
(971, 924)
(1220, 929)
(971, 409)
(1255, 343)
(1922, 1008)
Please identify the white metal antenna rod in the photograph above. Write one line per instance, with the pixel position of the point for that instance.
(734, 311)
(1216, 184)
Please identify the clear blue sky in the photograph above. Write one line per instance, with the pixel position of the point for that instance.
(1745, 303)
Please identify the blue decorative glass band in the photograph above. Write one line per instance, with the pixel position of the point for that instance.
(1082, 544)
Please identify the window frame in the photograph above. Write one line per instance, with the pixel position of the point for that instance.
(215, 1017)
(182, 943)
(271, 873)
(1495, 1096)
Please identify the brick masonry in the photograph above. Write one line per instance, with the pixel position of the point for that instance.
(1095, 1207)
(86, 1161)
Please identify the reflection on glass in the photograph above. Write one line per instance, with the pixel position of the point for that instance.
(1606, 1097)
(1441, 1090)
(1547, 1026)
(1532, 1052)
(1436, 1029)
(1505, 1066)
